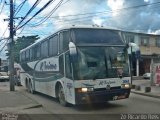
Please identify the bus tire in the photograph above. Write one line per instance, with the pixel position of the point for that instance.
(61, 96)
(31, 87)
(27, 84)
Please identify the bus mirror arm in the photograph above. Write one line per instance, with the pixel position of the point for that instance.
(120, 76)
(72, 49)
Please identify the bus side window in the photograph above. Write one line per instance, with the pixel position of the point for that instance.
(27, 55)
(44, 49)
(68, 66)
(53, 45)
(31, 54)
(37, 51)
(23, 56)
(64, 41)
(61, 64)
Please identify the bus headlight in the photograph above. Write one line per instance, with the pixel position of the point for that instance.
(125, 86)
(85, 89)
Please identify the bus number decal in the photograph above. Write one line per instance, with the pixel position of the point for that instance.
(125, 81)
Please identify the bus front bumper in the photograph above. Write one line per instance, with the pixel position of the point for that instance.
(101, 96)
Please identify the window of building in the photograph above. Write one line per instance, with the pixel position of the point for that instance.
(129, 38)
(158, 42)
(44, 49)
(53, 45)
(144, 41)
(64, 41)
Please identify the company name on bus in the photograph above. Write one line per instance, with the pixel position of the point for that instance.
(47, 66)
(106, 82)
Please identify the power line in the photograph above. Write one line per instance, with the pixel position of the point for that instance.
(88, 17)
(2, 8)
(4, 32)
(19, 7)
(49, 2)
(54, 9)
(4, 46)
(108, 11)
(31, 9)
(46, 18)
(80, 19)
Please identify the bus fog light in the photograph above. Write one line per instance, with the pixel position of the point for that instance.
(85, 89)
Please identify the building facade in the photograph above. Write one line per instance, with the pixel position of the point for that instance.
(149, 46)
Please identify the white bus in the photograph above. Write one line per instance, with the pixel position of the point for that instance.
(78, 65)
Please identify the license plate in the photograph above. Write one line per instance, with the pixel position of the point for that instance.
(121, 97)
(115, 97)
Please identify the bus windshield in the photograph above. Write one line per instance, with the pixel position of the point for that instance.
(94, 36)
(101, 62)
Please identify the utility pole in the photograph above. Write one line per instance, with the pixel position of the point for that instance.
(10, 48)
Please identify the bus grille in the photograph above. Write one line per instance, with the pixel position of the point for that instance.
(104, 89)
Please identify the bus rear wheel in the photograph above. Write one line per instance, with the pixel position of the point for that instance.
(31, 87)
(61, 96)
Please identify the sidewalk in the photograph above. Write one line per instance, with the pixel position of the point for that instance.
(143, 83)
(14, 101)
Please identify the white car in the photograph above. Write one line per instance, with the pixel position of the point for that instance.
(4, 76)
(147, 75)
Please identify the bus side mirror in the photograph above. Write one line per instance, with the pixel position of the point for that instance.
(73, 51)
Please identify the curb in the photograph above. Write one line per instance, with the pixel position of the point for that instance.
(146, 94)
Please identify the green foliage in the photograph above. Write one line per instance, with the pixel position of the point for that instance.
(21, 43)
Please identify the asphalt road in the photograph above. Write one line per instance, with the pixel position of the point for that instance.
(136, 104)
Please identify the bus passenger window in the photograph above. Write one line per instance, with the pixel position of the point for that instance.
(64, 41)
(27, 55)
(68, 66)
(31, 53)
(37, 51)
(44, 49)
(23, 56)
(61, 65)
(53, 46)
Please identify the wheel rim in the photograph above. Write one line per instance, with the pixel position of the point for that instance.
(30, 88)
(61, 96)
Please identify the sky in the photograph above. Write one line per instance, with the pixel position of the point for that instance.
(118, 14)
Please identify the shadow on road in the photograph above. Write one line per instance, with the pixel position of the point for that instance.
(84, 107)
(96, 106)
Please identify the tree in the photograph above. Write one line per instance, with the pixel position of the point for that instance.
(21, 43)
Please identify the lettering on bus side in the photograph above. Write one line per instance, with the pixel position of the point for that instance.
(47, 66)
(69, 86)
(106, 82)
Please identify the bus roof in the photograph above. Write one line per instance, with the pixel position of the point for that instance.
(71, 27)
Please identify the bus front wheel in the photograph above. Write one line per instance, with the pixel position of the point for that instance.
(61, 96)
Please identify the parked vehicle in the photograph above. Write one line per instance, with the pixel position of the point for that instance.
(147, 75)
(4, 76)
